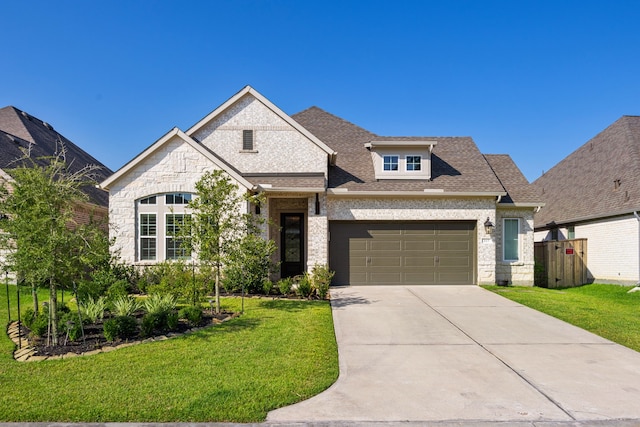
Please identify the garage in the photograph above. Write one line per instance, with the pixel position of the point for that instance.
(402, 253)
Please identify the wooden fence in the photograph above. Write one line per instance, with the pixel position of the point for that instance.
(561, 263)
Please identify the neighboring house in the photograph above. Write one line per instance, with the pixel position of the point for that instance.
(377, 210)
(594, 193)
(22, 133)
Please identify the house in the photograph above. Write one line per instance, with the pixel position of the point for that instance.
(23, 134)
(594, 194)
(377, 209)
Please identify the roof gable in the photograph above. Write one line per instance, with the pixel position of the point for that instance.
(249, 91)
(601, 178)
(519, 191)
(159, 144)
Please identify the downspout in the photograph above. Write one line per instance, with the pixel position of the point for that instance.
(637, 288)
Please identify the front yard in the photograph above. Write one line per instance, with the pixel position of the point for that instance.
(277, 353)
(606, 310)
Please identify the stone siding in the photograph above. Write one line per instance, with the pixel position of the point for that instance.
(175, 167)
(278, 147)
(421, 209)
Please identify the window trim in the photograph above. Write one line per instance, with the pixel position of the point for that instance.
(419, 164)
(518, 240)
(391, 163)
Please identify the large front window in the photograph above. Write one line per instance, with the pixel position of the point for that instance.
(511, 239)
(160, 217)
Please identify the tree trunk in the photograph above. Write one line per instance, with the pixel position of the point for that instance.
(217, 288)
(53, 311)
(34, 294)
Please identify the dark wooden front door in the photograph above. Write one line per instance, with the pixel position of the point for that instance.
(292, 244)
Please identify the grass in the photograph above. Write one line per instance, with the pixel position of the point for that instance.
(277, 353)
(606, 310)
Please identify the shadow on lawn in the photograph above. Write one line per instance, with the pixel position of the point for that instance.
(289, 305)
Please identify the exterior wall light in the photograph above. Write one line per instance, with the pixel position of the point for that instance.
(488, 226)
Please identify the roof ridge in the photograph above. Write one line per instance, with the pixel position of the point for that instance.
(344, 121)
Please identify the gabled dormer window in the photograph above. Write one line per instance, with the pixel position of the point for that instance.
(404, 158)
(247, 140)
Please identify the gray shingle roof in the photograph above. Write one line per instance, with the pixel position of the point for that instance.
(599, 179)
(457, 164)
(21, 131)
(514, 182)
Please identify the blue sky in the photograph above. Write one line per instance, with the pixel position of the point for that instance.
(533, 79)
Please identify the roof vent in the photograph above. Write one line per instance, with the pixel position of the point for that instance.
(25, 115)
(47, 125)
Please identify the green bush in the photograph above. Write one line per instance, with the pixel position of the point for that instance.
(251, 265)
(28, 317)
(121, 327)
(125, 305)
(157, 303)
(322, 276)
(192, 314)
(92, 309)
(305, 286)
(285, 285)
(267, 286)
(71, 326)
(118, 289)
(158, 322)
(39, 325)
(172, 321)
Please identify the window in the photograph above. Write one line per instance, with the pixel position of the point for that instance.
(173, 246)
(247, 140)
(571, 232)
(511, 239)
(148, 201)
(390, 163)
(148, 232)
(177, 198)
(413, 163)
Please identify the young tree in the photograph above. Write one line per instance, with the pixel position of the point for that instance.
(217, 224)
(45, 246)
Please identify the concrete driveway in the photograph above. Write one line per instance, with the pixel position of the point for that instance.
(464, 354)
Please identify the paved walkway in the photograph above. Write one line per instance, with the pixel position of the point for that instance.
(451, 355)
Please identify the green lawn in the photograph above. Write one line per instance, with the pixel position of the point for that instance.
(278, 353)
(606, 310)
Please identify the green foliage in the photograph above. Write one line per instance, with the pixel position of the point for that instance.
(92, 309)
(161, 321)
(305, 285)
(120, 327)
(285, 285)
(192, 314)
(39, 325)
(71, 326)
(45, 245)
(178, 278)
(321, 276)
(125, 305)
(267, 286)
(28, 317)
(250, 264)
(118, 289)
(158, 303)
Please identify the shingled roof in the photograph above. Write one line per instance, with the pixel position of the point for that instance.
(599, 179)
(20, 131)
(514, 182)
(457, 164)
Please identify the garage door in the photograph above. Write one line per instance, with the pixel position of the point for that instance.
(408, 253)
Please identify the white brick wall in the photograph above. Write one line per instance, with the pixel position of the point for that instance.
(278, 147)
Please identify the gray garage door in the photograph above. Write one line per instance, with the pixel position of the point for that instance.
(408, 253)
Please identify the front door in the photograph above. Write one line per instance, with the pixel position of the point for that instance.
(292, 244)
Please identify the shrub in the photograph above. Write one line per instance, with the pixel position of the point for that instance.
(125, 305)
(285, 285)
(267, 286)
(71, 326)
(39, 325)
(322, 276)
(121, 327)
(28, 317)
(157, 303)
(305, 286)
(192, 314)
(97, 286)
(158, 322)
(172, 321)
(118, 289)
(93, 309)
(251, 265)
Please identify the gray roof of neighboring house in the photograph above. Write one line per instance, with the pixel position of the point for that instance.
(457, 164)
(514, 182)
(599, 179)
(20, 131)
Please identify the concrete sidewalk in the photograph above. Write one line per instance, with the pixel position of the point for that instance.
(465, 355)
